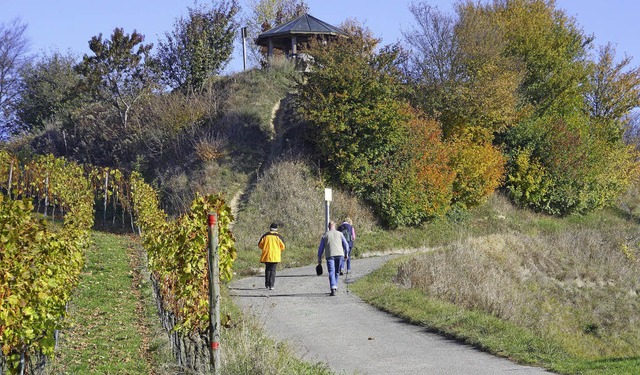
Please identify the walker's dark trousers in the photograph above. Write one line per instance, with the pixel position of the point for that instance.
(270, 275)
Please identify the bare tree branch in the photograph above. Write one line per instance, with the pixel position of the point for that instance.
(14, 46)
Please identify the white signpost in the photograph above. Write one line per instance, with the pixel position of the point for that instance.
(327, 203)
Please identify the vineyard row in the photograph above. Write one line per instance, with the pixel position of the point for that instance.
(42, 259)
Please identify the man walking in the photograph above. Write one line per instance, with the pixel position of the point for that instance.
(272, 245)
(334, 246)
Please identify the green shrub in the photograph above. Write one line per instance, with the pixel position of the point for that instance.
(559, 167)
(526, 181)
(480, 169)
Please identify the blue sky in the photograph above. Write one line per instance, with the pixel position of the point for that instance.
(67, 25)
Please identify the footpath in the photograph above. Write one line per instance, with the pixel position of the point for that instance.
(352, 337)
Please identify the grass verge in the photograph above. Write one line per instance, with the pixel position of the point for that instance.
(108, 331)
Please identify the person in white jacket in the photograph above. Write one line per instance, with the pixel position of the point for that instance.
(334, 247)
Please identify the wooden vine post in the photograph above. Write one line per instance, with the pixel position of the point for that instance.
(106, 196)
(214, 294)
(10, 177)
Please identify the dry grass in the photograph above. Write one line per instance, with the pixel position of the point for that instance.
(290, 194)
(208, 148)
(579, 287)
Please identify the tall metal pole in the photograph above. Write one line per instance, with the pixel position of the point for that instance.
(214, 293)
(326, 215)
(244, 48)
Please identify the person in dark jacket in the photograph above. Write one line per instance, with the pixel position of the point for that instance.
(272, 245)
(334, 246)
(349, 233)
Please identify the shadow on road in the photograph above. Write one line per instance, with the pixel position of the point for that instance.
(270, 295)
(296, 276)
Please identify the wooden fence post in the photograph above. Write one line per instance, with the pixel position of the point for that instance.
(106, 187)
(214, 294)
(10, 177)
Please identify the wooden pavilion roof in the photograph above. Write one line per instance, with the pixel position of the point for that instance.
(302, 27)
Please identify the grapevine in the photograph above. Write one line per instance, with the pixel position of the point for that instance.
(177, 252)
(42, 262)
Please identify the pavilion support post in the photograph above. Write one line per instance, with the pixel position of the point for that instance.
(294, 45)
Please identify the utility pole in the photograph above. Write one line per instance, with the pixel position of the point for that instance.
(244, 48)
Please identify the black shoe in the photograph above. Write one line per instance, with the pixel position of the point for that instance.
(333, 292)
(341, 272)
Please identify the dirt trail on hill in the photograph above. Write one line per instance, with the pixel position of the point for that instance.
(351, 336)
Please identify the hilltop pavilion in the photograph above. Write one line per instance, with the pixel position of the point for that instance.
(288, 36)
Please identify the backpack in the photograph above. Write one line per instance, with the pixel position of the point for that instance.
(346, 232)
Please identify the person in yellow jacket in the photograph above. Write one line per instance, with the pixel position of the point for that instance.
(272, 245)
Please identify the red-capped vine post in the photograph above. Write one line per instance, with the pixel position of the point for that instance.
(214, 293)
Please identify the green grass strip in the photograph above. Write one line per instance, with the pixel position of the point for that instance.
(105, 335)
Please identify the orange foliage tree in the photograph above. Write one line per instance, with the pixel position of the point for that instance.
(373, 142)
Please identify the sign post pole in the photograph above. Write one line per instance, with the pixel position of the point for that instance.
(327, 201)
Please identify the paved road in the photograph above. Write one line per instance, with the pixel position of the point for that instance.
(350, 335)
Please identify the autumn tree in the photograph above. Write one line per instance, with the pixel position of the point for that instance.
(432, 65)
(561, 167)
(458, 66)
(553, 49)
(14, 46)
(519, 70)
(48, 90)
(491, 65)
(119, 71)
(373, 141)
(199, 46)
(461, 77)
(613, 92)
(565, 157)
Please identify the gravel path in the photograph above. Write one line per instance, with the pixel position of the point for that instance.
(352, 336)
